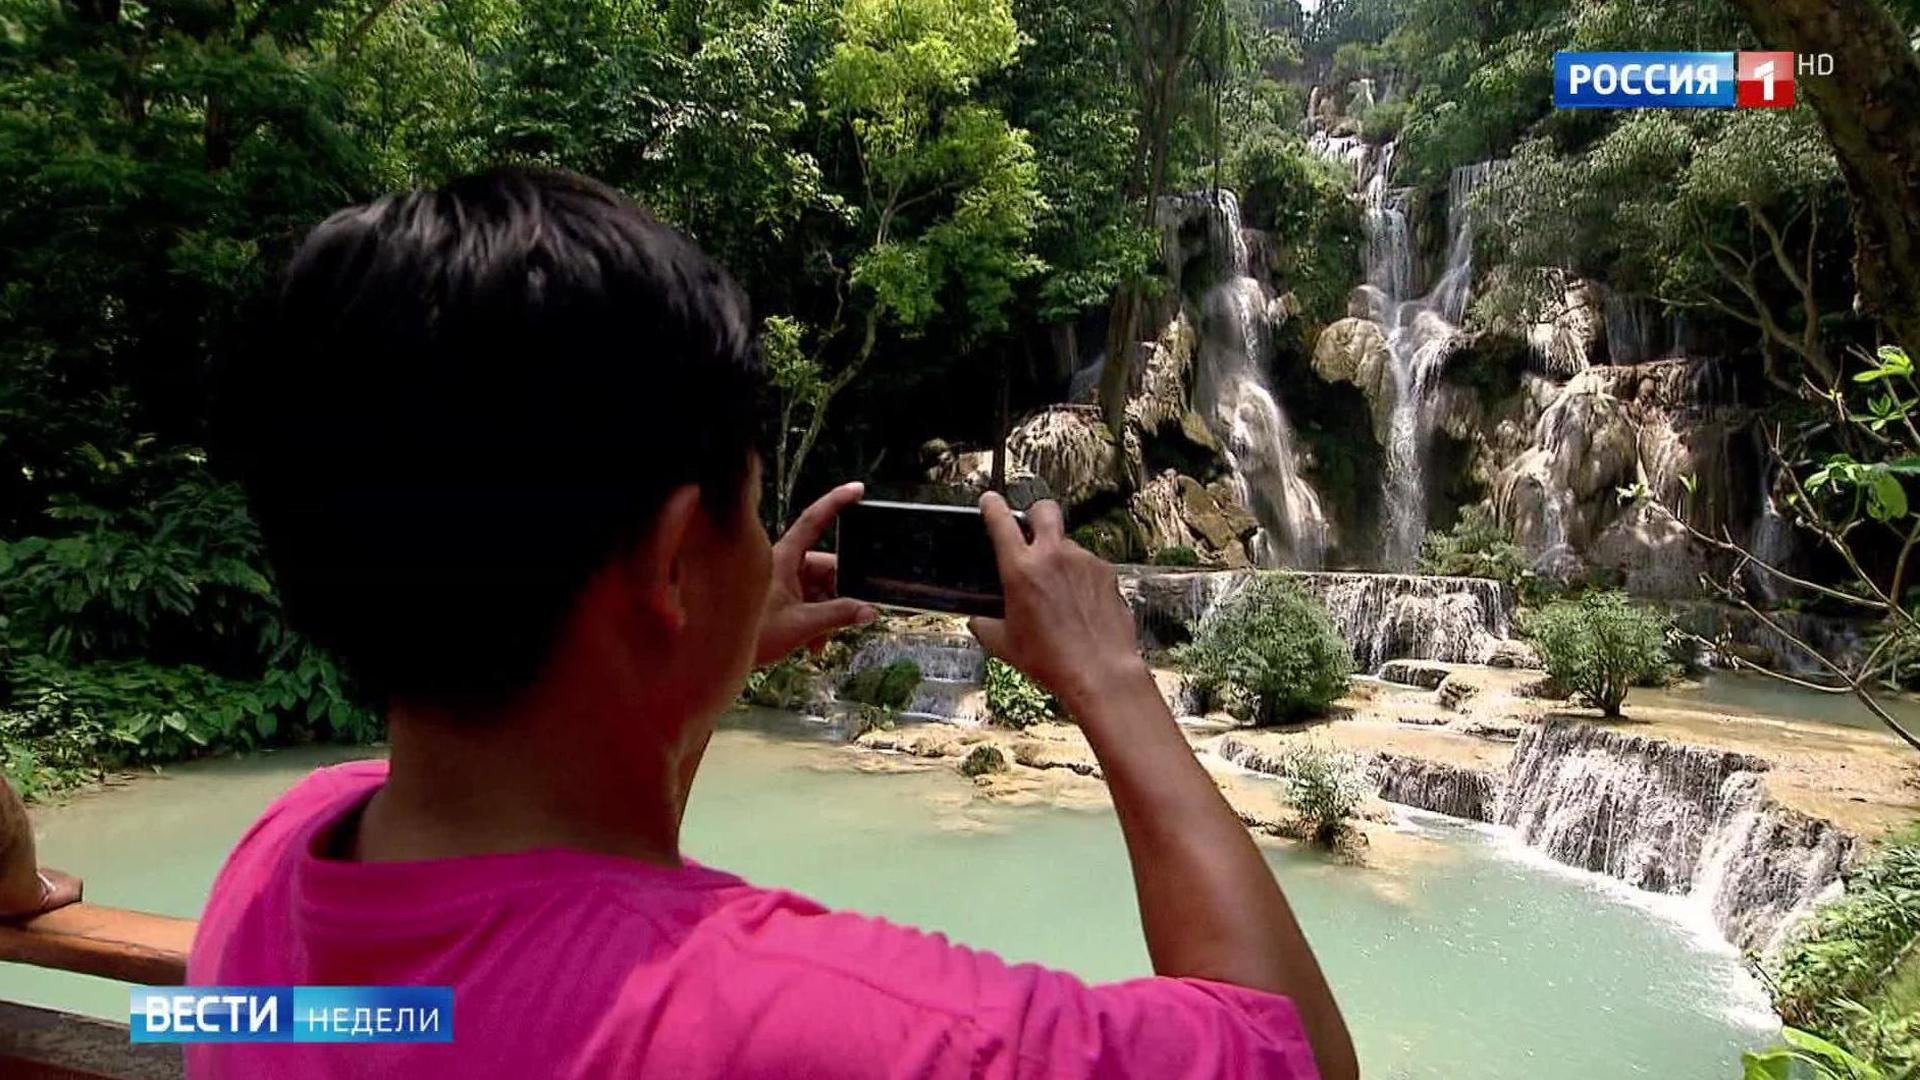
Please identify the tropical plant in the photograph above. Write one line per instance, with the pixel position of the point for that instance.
(1015, 701)
(1851, 971)
(1820, 1060)
(1600, 646)
(1274, 645)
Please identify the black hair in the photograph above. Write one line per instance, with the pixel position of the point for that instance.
(459, 404)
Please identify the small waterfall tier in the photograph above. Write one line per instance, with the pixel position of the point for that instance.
(952, 668)
(1435, 786)
(1671, 818)
(1438, 787)
(1382, 616)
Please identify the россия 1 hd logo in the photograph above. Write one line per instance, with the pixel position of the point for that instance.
(1681, 80)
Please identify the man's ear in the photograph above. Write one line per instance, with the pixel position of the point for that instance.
(657, 567)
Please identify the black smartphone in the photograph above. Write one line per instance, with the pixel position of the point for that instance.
(921, 556)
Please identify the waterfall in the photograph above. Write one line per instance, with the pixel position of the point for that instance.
(952, 667)
(1414, 617)
(1670, 818)
(1422, 331)
(1382, 616)
(1631, 328)
(1231, 391)
(1436, 786)
(1771, 541)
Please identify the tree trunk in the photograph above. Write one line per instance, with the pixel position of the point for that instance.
(1868, 108)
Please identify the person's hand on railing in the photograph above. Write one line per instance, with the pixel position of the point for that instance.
(26, 889)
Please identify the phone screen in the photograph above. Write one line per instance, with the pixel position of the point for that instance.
(921, 556)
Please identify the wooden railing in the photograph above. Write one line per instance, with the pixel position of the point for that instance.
(45, 1044)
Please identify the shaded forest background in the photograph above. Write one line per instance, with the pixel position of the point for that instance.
(935, 206)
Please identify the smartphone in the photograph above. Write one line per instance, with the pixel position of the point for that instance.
(921, 556)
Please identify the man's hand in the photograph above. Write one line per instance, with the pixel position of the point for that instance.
(802, 608)
(1066, 624)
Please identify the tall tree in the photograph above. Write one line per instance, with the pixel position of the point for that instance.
(1867, 107)
(1162, 37)
(945, 202)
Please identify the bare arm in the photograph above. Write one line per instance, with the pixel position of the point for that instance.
(24, 889)
(1208, 901)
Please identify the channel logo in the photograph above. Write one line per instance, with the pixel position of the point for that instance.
(1680, 80)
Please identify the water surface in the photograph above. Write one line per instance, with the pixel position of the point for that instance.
(1468, 958)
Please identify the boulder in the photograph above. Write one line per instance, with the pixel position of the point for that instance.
(1354, 350)
(1420, 673)
(1513, 654)
(1203, 516)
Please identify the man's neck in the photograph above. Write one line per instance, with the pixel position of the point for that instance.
(589, 773)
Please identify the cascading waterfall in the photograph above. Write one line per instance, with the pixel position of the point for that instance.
(1421, 334)
(1631, 327)
(1771, 541)
(952, 667)
(1231, 391)
(1382, 616)
(1665, 817)
(1671, 818)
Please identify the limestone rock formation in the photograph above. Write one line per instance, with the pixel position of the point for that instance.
(1177, 511)
(1354, 350)
(1567, 337)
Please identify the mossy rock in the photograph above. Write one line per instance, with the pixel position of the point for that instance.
(1114, 536)
(885, 686)
(983, 759)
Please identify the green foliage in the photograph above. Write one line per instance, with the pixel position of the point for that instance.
(1326, 786)
(1477, 546)
(1600, 646)
(983, 759)
(1114, 537)
(1836, 973)
(1176, 557)
(1274, 644)
(46, 745)
(871, 718)
(1015, 701)
(888, 686)
(1382, 123)
(787, 683)
(1803, 1054)
(1303, 200)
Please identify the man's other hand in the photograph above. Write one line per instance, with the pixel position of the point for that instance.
(1066, 624)
(802, 605)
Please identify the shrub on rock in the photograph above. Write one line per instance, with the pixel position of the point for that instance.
(1326, 786)
(1273, 646)
(888, 686)
(1600, 646)
(1176, 556)
(983, 759)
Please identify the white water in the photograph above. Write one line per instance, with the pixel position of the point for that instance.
(1422, 330)
(1232, 394)
(1382, 616)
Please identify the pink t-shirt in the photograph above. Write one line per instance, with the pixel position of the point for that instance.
(571, 964)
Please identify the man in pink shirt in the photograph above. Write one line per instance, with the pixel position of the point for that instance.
(499, 438)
